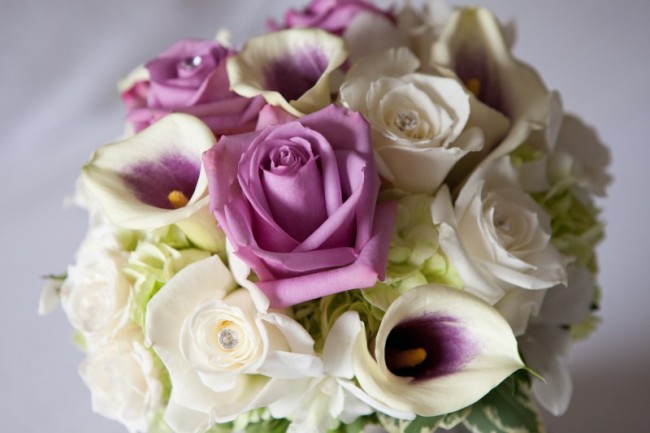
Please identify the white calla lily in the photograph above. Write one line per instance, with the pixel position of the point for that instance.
(155, 178)
(437, 350)
(478, 49)
(220, 350)
(289, 68)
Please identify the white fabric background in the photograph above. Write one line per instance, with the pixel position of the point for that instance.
(58, 101)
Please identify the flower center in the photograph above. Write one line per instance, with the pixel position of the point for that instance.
(407, 120)
(408, 358)
(177, 199)
(504, 224)
(474, 86)
(191, 63)
(228, 338)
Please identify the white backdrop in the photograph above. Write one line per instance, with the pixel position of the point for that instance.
(58, 101)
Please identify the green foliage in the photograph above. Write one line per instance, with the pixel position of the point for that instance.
(506, 409)
(318, 316)
(56, 277)
(221, 428)
(79, 341)
(158, 424)
(356, 426)
(525, 153)
(151, 265)
(423, 424)
(268, 426)
(575, 227)
(585, 328)
(163, 376)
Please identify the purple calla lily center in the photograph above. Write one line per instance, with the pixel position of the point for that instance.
(428, 347)
(154, 181)
(292, 76)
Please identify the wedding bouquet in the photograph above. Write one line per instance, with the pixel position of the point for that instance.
(361, 219)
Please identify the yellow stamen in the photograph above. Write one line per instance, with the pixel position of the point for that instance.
(474, 86)
(177, 199)
(407, 358)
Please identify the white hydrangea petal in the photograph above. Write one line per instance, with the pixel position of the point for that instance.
(545, 349)
(570, 304)
(517, 306)
(337, 352)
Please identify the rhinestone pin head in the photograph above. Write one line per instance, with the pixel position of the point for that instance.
(191, 63)
(228, 339)
(407, 120)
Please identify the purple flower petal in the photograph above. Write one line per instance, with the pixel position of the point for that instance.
(331, 15)
(306, 228)
(152, 181)
(364, 272)
(293, 75)
(446, 346)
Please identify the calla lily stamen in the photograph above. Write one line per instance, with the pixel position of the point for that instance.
(474, 86)
(177, 199)
(405, 358)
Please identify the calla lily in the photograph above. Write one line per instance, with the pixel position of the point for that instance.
(478, 49)
(437, 350)
(334, 395)
(224, 357)
(155, 178)
(289, 68)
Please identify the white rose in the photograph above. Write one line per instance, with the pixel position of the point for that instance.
(96, 295)
(421, 123)
(497, 237)
(123, 382)
(224, 356)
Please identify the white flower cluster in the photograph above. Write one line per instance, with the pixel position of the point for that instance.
(393, 219)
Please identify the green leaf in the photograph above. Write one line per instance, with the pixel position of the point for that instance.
(506, 409)
(423, 424)
(221, 428)
(55, 277)
(356, 426)
(392, 425)
(269, 426)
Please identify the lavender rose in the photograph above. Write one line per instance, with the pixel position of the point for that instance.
(190, 77)
(331, 15)
(298, 201)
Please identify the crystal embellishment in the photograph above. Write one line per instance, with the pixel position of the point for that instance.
(228, 339)
(407, 120)
(192, 62)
